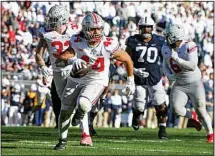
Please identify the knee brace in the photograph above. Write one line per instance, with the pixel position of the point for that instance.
(84, 104)
(161, 110)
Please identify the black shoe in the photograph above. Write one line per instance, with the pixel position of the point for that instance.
(61, 144)
(79, 115)
(136, 120)
(162, 133)
(92, 131)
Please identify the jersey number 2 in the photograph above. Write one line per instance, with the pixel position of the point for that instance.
(148, 52)
(98, 65)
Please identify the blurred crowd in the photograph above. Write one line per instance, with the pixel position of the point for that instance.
(21, 81)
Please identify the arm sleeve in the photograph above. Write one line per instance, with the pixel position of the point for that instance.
(164, 53)
(166, 70)
(192, 59)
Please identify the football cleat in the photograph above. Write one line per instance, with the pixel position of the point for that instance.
(162, 133)
(61, 144)
(92, 130)
(210, 138)
(136, 120)
(86, 140)
(79, 115)
(195, 121)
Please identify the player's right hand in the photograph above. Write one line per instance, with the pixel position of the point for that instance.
(141, 72)
(78, 63)
(45, 71)
(129, 87)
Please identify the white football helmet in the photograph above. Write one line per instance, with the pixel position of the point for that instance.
(92, 20)
(57, 16)
(143, 22)
(174, 33)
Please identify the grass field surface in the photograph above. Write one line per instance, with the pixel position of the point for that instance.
(110, 141)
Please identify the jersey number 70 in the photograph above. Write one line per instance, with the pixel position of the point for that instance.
(148, 52)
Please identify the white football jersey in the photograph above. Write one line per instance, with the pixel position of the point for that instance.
(187, 51)
(97, 57)
(58, 43)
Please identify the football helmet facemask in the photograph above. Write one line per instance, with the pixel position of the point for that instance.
(92, 27)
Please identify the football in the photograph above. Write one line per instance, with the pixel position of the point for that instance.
(78, 73)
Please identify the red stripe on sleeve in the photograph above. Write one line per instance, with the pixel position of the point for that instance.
(192, 49)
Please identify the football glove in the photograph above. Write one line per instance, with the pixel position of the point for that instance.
(141, 72)
(174, 54)
(78, 63)
(129, 87)
(45, 71)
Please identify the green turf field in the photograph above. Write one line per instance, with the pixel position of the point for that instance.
(110, 141)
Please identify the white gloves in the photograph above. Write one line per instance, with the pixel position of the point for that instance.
(174, 54)
(129, 87)
(141, 72)
(78, 63)
(45, 71)
(71, 60)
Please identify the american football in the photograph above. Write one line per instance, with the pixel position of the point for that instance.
(77, 73)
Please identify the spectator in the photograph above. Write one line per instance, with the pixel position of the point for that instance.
(107, 109)
(16, 100)
(116, 101)
(28, 103)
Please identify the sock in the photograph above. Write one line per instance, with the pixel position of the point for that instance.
(92, 117)
(84, 125)
(64, 123)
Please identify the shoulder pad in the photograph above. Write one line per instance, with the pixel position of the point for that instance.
(165, 49)
(111, 44)
(191, 47)
(42, 32)
(129, 40)
(159, 39)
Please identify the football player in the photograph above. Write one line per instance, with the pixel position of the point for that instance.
(55, 38)
(95, 50)
(180, 63)
(145, 51)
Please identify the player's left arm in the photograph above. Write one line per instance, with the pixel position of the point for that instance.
(124, 57)
(67, 54)
(191, 62)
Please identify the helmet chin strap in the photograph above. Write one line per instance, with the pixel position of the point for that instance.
(146, 36)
